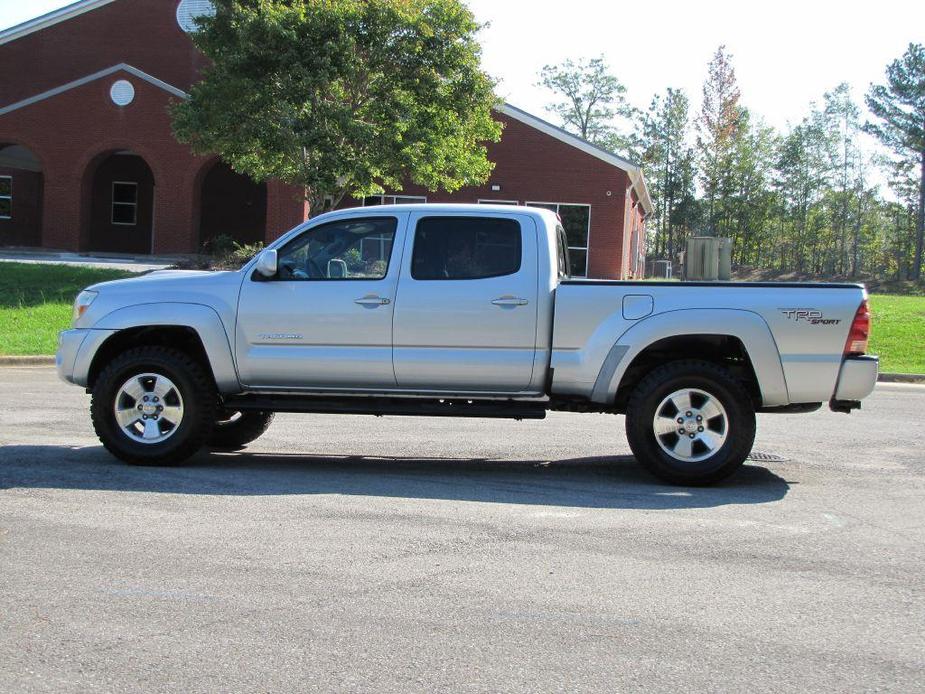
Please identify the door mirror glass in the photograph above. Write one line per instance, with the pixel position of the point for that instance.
(267, 263)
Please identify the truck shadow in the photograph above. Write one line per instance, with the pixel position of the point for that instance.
(600, 482)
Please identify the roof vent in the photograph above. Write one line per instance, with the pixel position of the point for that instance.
(122, 93)
(189, 10)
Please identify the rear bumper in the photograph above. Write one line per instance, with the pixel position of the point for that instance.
(856, 380)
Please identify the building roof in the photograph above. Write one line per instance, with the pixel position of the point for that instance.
(633, 170)
(50, 19)
(121, 67)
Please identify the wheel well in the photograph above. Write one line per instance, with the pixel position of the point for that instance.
(724, 350)
(178, 337)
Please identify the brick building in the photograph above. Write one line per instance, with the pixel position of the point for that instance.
(88, 160)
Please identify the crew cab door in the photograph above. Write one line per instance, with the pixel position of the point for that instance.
(466, 312)
(325, 320)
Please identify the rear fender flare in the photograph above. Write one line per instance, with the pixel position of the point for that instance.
(749, 327)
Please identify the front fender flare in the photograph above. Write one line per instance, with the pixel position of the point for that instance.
(749, 327)
(204, 320)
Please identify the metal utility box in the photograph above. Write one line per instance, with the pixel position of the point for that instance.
(708, 258)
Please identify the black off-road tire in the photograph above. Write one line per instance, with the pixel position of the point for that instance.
(239, 429)
(195, 385)
(701, 375)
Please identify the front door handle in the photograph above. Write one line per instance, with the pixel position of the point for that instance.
(510, 301)
(372, 301)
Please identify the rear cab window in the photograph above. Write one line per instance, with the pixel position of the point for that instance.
(465, 248)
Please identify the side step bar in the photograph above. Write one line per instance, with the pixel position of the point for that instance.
(380, 406)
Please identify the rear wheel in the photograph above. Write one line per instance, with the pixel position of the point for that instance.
(237, 429)
(153, 406)
(690, 422)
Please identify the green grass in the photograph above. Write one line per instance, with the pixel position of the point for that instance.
(898, 332)
(35, 303)
(36, 300)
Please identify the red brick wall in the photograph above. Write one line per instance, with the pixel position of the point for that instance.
(534, 167)
(142, 33)
(71, 131)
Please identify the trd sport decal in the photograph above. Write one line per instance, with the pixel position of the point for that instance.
(808, 315)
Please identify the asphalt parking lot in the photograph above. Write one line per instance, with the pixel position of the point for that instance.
(364, 554)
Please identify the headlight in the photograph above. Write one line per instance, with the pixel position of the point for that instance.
(82, 303)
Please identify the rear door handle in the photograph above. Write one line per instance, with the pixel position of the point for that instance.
(372, 301)
(510, 301)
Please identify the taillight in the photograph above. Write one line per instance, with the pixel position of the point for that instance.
(859, 333)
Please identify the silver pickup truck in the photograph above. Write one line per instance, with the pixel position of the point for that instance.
(461, 311)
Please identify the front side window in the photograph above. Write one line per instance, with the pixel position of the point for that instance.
(6, 197)
(465, 248)
(576, 220)
(124, 203)
(354, 249)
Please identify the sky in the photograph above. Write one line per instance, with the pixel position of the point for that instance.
(786, 53)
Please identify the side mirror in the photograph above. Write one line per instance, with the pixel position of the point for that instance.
(267, 263)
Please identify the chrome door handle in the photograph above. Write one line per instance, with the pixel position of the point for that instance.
(510, 301)
(372, 301)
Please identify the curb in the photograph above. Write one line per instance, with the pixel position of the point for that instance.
(27, 361)
(901, 378)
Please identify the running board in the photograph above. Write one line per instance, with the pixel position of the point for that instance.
(413, 407)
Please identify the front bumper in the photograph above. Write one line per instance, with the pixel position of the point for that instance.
(76, 349)
(69, 342)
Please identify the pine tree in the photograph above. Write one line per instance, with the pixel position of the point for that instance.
(664, 131)
(718, 128)
(899, 106)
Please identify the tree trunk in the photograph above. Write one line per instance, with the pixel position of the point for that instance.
(920, 224)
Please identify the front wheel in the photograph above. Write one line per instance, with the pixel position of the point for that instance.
(690, 422)
(153, 406)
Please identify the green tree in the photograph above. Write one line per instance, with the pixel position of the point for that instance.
(343, 97)
(899, 107)
(590, 101)
(718, 130)
(750, 204)
(802, 175)
(842, 117)
(666, 158)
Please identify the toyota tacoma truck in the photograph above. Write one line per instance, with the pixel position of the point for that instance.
(460, 311)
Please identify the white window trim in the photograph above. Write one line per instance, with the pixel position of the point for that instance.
(587, 248)
(133, 205)
(8, 197)
(412, 199)
(483, 201)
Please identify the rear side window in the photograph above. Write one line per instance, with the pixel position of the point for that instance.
(562, 246)
(465, 248)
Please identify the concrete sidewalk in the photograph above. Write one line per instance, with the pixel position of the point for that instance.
(112, 261)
